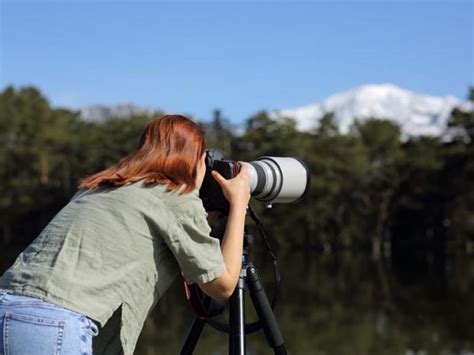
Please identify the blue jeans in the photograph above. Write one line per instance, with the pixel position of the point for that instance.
(31, 326)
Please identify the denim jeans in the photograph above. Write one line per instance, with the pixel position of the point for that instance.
(31, 326)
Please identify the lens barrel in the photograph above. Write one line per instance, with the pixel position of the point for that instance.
(278, 179)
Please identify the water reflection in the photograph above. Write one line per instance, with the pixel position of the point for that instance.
(348, 303)
(345, 303)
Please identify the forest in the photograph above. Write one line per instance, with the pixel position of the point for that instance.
(370, 189)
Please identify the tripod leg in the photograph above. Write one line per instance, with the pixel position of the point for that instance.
(193, 336)
(264, 311)
(237, 318)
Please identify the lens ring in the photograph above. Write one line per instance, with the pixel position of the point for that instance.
(272, 194)
(266, 180)
(261, 177)
(268, 191)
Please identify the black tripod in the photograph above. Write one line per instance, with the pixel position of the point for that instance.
(237, 329)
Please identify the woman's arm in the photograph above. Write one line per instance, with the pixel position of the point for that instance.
(237, 192)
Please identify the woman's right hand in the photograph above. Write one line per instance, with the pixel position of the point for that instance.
(237, 189)
(237, 192)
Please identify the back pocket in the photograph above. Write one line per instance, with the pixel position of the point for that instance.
(23, 334)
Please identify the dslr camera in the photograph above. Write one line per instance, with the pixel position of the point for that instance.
(271, 179)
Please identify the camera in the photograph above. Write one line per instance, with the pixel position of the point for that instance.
(271, 180)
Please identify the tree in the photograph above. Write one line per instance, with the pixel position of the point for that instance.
(219, 134)
(382, 141)
(458, 174)
(33, 156)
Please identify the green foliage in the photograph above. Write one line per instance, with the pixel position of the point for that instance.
(459, 172)
(368, 187)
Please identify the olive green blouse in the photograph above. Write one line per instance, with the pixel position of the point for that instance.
(115, 251)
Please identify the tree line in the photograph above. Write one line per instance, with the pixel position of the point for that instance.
(369, 188)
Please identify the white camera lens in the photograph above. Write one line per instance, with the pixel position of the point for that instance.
(278, 179)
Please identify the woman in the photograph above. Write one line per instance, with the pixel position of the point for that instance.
(116, 247)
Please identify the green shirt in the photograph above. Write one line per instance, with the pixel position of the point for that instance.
(118, 249)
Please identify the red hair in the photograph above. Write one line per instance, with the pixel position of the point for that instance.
(169, 151)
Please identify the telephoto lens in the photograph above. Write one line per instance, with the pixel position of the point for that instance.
(278, 179)
(271, 179)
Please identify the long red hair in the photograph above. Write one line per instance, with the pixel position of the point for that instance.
(169, 151)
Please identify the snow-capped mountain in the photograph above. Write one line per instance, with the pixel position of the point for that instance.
(101, 113)
(416, 114)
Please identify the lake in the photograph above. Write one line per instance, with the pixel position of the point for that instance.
(411, 302)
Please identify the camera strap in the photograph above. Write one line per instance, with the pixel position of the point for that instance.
(203, 306)
(268, 247)
(196, 299)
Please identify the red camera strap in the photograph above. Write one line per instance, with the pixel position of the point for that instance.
(195, 298)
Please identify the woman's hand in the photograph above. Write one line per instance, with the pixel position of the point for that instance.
(237, 192)
(237, 189)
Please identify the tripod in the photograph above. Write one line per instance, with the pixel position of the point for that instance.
(237, 328)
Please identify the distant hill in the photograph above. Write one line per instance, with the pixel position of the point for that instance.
(417, 114)
(102, 113)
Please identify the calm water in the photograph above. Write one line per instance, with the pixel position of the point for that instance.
(346, 303)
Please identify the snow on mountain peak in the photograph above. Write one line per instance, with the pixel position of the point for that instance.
(417, 114)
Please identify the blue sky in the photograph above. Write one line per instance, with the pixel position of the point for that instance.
(191, 57)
